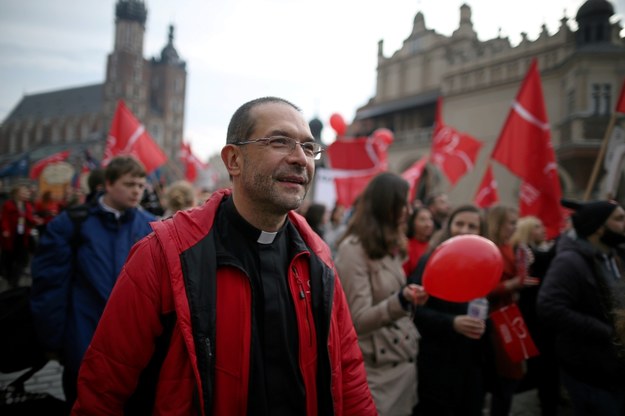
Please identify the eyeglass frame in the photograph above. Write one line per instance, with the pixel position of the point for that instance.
(316, 154)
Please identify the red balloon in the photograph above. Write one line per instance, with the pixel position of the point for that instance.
(384, 134)
(463, 268)
(338, 124)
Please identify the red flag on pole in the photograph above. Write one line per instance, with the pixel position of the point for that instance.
(355, 161)
(129, 137)
(38, 167)
(620, 104)
(191, 162)
(412, 175)
(453, 152)
(524, 147)
(487, 194)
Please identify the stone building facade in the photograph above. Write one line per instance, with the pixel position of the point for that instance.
(154, 89)
(581, 70)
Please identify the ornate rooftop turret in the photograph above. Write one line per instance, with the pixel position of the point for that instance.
(133, 10)
(593, 19)
(169, 54)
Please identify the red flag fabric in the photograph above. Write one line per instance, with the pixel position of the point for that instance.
(524, 147)
(453, 152)
(191, 162)
(355, 161)
(412, 175)
(38, 167)
(129, 137)
(620, 104)
(487, 194)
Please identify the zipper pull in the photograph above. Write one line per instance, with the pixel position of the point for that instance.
(299, 283)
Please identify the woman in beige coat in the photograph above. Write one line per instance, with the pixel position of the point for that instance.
(369, 263)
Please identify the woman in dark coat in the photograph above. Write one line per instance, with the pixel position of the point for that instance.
(451, 357)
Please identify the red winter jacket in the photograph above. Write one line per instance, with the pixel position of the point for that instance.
(9, 217)
(206, 369)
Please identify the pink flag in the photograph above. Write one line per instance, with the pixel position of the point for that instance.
(354, 161)
(191, 162)
(413, 174)
(38, 167)
(487, 194)
(129, 137)
(453, 152)
(524, 147)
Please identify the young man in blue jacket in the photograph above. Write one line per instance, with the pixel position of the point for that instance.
(77, 263)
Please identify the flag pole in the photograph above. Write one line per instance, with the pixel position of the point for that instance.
(600, 157)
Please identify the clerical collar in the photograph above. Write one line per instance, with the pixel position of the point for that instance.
(247, 229)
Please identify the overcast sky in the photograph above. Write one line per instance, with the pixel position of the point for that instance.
(321, 54)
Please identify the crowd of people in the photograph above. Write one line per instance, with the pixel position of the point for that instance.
(243, 306)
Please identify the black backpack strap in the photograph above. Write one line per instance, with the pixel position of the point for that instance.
(78, 215)
(142, 400)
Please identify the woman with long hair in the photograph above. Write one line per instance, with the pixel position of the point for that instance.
(501, 223)
(452, 347)
(369, 263)
(542, 370)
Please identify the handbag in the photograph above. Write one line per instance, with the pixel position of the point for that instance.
(513, 334)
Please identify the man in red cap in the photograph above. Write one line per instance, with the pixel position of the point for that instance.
(578, 300)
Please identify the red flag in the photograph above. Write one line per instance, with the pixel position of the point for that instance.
(38, 167)
(129, 137)
(620, 104)
(354, 161)
(524, 147)
(453, 152)
(412, 175)
(191, 162)
(487, 194)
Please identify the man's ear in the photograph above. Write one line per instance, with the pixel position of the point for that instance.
(231, 156)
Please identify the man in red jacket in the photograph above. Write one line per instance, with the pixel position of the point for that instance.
(233, 308)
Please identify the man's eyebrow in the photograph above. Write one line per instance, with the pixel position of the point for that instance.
(286, 134)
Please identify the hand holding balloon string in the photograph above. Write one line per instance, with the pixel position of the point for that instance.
(415, 294)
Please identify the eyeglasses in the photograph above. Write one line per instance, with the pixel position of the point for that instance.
(287, 145)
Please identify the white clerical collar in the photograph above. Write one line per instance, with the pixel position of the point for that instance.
(266, 238)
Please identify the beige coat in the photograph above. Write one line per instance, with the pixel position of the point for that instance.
(386, 334)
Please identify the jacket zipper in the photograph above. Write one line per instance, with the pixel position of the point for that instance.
(302, 295)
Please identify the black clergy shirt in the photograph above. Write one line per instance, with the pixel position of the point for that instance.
(276, 386)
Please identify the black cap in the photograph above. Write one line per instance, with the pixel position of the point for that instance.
(589, 216)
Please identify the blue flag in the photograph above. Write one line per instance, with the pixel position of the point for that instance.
(18, 167)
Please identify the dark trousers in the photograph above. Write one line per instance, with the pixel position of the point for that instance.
(502, 394)
(591, 400)
(70, 379)
(14, 261)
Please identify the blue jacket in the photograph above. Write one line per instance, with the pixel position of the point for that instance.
(68, 295)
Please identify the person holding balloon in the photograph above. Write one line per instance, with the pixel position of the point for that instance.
(452, 347)
(369, 263)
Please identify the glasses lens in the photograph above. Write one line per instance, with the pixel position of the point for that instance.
(311, 149)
